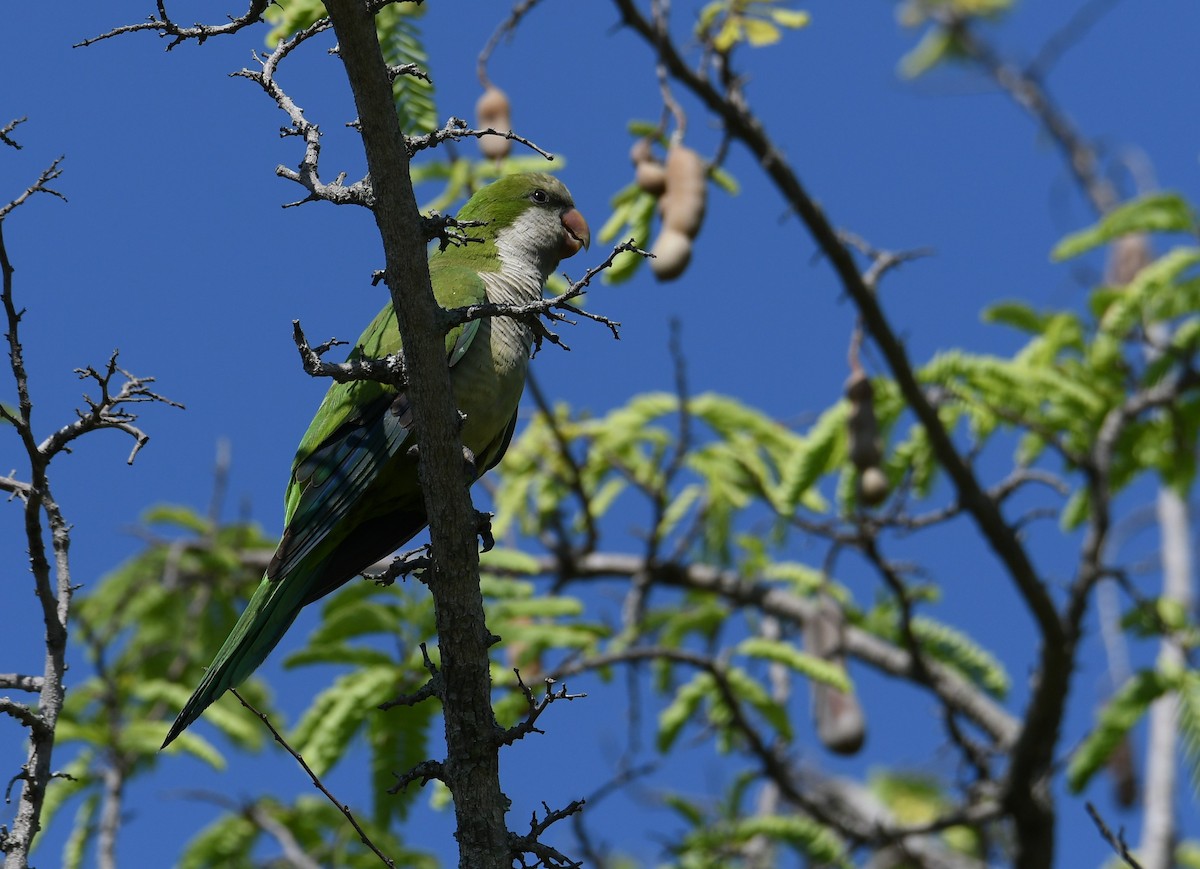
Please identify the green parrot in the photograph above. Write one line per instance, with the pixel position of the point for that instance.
(353, 496)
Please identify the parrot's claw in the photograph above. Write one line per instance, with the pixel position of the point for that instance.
(484, 530)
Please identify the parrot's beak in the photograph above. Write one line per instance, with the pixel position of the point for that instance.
(578, 235)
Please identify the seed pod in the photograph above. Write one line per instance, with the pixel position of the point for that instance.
(862, 429)
(873, 486)
(492, 110)
(841, 724)
(651, 177)
(672, 252)
(687, 188)
(1124, 774)
(641, 152)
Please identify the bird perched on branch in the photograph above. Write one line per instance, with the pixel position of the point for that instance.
(354, 495)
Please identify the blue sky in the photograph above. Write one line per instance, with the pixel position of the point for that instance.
(174, 248)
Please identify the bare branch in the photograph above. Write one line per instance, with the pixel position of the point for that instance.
(316, 780)
(24, 714)
(424, 772)
(163, 25)
(1031, 95)
(506, 28)
(528, 725)
(1117, 842)
(7, 129)
(1083, 19)
(21, 682)
(389, 369)
(16, 488)
(456, 129)
(307, 174)
(882, 261)
(42, 185)
(108, 411)
(528, 844)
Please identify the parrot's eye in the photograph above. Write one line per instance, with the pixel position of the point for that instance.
(540, 196)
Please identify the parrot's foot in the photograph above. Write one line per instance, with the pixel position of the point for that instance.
(484, 529)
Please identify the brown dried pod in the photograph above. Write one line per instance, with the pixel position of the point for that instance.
(687, 190)
(641, 152)
(862, 429)
(858, 388)
(841, 723)
(873, 486)
(672, 252)
(1124, 774)
(651, 177)
(492, 110)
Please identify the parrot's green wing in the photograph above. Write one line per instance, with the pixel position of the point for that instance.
(354, 496)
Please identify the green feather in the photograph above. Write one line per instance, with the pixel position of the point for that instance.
(354, 494)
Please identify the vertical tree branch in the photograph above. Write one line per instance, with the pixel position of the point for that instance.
(53, 594)
(472, 765)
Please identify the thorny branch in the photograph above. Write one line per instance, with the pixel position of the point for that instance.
(163, 25)
(456, 129)
(42, 185)
(6, 131)
(108, 411)
(528, 724)
(52, 583)
(52, 580)
(548, 857)
(389, 369)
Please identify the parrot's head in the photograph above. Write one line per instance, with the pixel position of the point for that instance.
(532, 220)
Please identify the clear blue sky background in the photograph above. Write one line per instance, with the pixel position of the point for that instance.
(174, 248)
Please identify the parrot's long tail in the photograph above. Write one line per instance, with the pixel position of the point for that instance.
(269, 614)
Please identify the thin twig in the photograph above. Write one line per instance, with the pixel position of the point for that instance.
(506, 28)
(316, 780)
(164, 26)
(7, 129)
(456, 129)
(1117, 842)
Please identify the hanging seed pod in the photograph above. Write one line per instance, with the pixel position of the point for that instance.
(841, 724)
(672, 252)
(642, 151)
(1124, 774)
(687, 189)
(492, 110)
(873, 486)
(862, 429)
(651, 176)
